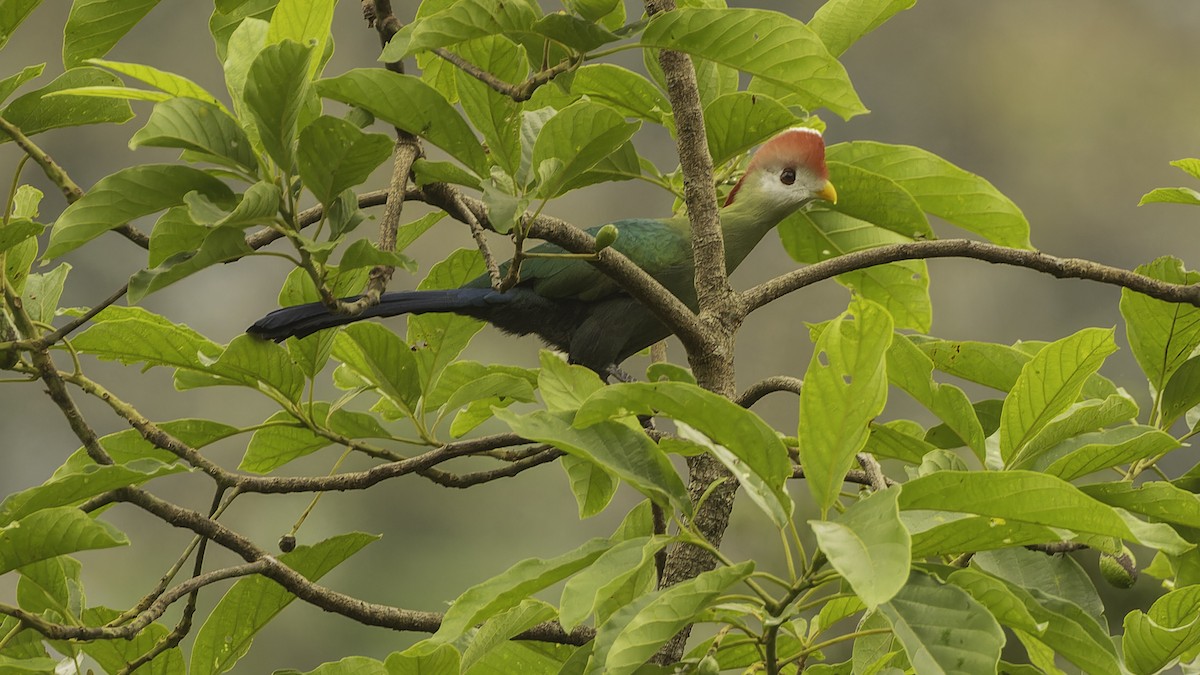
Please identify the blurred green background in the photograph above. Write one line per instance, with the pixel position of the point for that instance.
(1070, 107)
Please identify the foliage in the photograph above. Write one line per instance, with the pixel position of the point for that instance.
(942, 563)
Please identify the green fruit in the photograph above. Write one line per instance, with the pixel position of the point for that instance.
(606, 236)
(1119, 570)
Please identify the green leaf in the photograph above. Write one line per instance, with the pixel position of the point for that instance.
(941, 533)
(261, 365)
(868, 546)
(579, 136)
(1154, 640)
(53, 532)
(897, 441)
(13, 82)
(444, 660)
(1089, 453)
(573, 32)
(736, 122)
(279, 440)
(335, 155)
(497, 116)
(769, 45)
(351, 665)
(841, 23)
(462, 21)
(276, 87)
(12, 14)
(305, 22)
(1181, 394)
(246, 41)
(626, 452)
(489, 386)
(252, 602)
(129, 447)
(95, 26)
(1050, 577)
(1032, 498)
(363, 253)
(879, 200)
(508, 589)
(942, 189)
(70, 488)
(36, 111)
(166, 82)
(221, 245)
(943, 629)
(635, 632)
(1156, 499)
(565, 387)
(1074, 637)
(1190, 166)
(736, 436)
(126, 195)
(625, 91)
(1048, 384)
(902, 287)
(380, 357)
(592, 486)
(499, 629)
(1087, 416)
(134, 335)
(410, 104)
(585, 591)
(42, 291)
(1171, 195)
(1162, 335)
(845, 387)
(199, 126)
(909, 369)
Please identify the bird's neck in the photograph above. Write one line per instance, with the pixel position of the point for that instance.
(743, 224)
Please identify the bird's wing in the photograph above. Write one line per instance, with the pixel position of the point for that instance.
(653, 245)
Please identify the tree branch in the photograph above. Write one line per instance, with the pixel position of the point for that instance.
(769, 385)
(1063, 268)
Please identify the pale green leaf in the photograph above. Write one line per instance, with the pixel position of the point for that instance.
(840, 23)
(53, 532)
(869, 546)
(943, 629)
(95, 26)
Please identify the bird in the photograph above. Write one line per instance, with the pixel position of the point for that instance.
(573, 306)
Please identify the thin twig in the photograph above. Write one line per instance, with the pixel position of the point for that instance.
(769, 385)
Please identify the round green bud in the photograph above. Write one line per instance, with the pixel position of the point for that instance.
(1119, 570)
(606, 236)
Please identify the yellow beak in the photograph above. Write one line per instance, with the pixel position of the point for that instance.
(828, 193)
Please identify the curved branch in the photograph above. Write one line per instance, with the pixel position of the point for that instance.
(1063, 268)
(769, 385)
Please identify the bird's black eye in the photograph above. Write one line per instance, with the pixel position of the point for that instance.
(787, 176)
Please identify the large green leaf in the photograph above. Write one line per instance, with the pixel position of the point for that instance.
(1081, 418)
(868, 546)
(769, 45)
(277, 85)
(95, 26)
(252, 602)
(36, 112)
(509, 588)
(1162, 335)
(439, 338)
(381, 358)
(128, 194)
(1048, 577)
(135, 335)
(1092, 452)
(635, 632)
(738, 121)
(1072, 636)
(941, 533)
(334, 155)
(584, 592)
(166, 82)
(623, 90)
(625, 452)
(902, 287)
(1156, 499)
(1155, 639)
(840, 23)
(199, 126)
(909, 369)
(1182, 392)
(410, 104)
(13, 82)
(497, 116)
(462, 21)
(1035, 498)
(12, 14)
(845, 387)
(942, 189)
(1048, 384)
(53, 532)
(305, 22)
(223, 244)
(943, 629)
(69, 488)
(574, 140)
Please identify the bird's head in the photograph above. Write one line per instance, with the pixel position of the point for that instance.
(787, 172)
